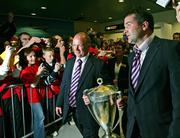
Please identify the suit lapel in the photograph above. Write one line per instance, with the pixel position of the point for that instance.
(86, 70)
(153, 48)
(70, 69)
(131, 56)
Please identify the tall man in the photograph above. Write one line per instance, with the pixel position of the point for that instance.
(154, 80)
(81, 73)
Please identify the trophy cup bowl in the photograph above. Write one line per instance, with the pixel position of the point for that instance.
(103, 107)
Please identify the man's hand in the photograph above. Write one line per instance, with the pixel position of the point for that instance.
(41, 69)
(121, 102)
(176, 6)
(178, 13)
(86, 100)
(59, 111)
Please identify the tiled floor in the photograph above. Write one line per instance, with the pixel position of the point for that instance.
(70, 131)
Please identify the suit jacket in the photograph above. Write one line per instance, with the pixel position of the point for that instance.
(93, 69)
(155, 103)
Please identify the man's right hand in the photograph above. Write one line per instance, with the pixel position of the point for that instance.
(121, 102)
(176, 6)
(86, 100)
(59, 111)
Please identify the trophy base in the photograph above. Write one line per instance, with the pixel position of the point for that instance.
(113, 135)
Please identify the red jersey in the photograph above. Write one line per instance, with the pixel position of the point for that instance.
(27, 77)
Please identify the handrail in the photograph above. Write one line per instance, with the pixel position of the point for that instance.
(11, 87)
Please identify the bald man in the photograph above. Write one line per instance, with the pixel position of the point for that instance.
(91, 69)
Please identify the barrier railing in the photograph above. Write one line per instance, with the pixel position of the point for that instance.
(23, 110)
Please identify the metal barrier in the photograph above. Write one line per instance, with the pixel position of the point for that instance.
(22, 92)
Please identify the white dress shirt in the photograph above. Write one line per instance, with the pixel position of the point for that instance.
(83, 59)
(144, 48)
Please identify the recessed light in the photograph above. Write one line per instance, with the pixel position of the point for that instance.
(109, 18)
(43, 8)
(120, 0)
(33, 14)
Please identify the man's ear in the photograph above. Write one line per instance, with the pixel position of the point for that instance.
(145, 25)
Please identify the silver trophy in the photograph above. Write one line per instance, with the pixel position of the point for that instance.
(103, 106)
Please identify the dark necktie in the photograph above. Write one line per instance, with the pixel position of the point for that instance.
(136, 66)
(74, 84)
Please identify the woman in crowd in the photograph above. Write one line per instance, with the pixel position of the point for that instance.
(6, 79)
(4, 67)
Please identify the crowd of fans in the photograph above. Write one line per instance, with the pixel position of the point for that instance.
(38, 64)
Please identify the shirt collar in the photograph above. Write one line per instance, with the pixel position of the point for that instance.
(83, 59)
(146, 43)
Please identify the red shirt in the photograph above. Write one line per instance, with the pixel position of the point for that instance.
(6, 93)
(53, 89)
(27, 77)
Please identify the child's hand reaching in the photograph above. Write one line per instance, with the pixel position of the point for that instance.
(57, 67)
(41, 68)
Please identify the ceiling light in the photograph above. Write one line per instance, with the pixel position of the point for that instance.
(148, 9)
(43, 8)
(120, 0)
(109, 18)
(33, 14)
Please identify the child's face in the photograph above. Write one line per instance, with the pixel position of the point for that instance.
(31, 58)
(48, 56)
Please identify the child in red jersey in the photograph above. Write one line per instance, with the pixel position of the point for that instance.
(30, 76)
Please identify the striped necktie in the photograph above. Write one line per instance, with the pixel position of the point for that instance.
(136, 66)
(74, 84)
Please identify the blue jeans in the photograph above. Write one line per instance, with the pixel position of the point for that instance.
(38, 120)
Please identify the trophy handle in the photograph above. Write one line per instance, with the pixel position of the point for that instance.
(93, 115)
(85, 92)
(120, 123)
(120, 117)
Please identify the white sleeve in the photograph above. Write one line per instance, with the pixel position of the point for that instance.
(4, 67)
(3, 72)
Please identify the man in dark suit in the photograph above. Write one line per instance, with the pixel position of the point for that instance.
(91, 69)
(154, 80)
